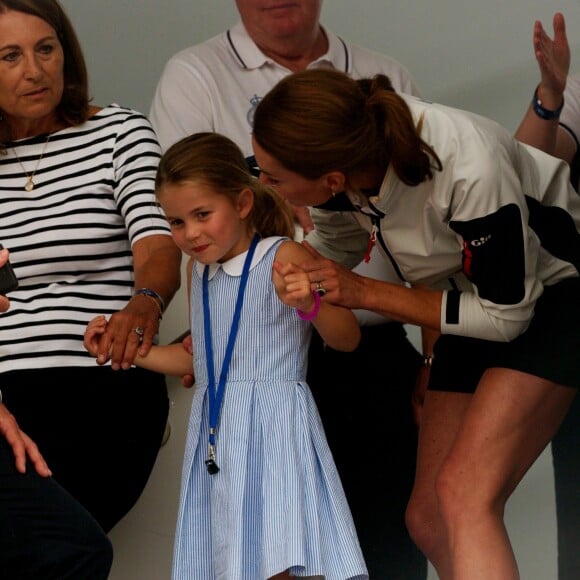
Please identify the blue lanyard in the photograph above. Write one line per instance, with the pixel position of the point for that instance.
(216, 396)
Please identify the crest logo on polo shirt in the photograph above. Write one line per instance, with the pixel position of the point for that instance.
(250, 115)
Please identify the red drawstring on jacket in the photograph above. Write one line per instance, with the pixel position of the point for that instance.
(372, 241)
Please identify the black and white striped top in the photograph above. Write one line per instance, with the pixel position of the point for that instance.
(70, 237)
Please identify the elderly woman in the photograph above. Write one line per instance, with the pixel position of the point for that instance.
(86, 237)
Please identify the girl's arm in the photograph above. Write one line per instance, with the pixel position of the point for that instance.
(337, 326)
(167, 359)
(170, 359)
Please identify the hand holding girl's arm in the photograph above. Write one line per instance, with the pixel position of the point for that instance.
(420, 306)
(337, 326)
(170, 359)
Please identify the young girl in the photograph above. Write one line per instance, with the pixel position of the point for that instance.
(261, 497)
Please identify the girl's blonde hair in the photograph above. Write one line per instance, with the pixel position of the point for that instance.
(218, 162)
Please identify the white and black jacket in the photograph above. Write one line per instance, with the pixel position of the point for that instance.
(499, 222)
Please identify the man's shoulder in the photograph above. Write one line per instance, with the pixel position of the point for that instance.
(208, 50)
(366, 62)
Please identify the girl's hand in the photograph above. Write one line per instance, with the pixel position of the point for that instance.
(95, 329)
(294, 287)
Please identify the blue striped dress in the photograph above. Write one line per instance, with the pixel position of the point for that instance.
(277, 502)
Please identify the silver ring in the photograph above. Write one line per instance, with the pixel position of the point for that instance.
(139, 330)
(320, 289)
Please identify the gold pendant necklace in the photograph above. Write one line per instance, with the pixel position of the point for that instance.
(29, 185)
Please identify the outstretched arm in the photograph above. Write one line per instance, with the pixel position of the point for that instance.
(553, 57)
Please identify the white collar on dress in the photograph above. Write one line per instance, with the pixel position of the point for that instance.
(234, 266)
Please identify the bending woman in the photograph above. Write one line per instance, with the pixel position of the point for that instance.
(485, 231)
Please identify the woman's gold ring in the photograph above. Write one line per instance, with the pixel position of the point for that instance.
(320, 289)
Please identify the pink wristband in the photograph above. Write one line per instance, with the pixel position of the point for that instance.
(310, 315)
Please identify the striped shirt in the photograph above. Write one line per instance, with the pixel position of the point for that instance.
(70, 237)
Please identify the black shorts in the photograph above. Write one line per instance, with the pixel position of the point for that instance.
(549, 348)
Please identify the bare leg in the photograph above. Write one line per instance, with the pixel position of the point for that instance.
(511, 419)
(441, 419)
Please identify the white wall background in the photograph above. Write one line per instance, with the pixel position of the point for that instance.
(466, 53)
